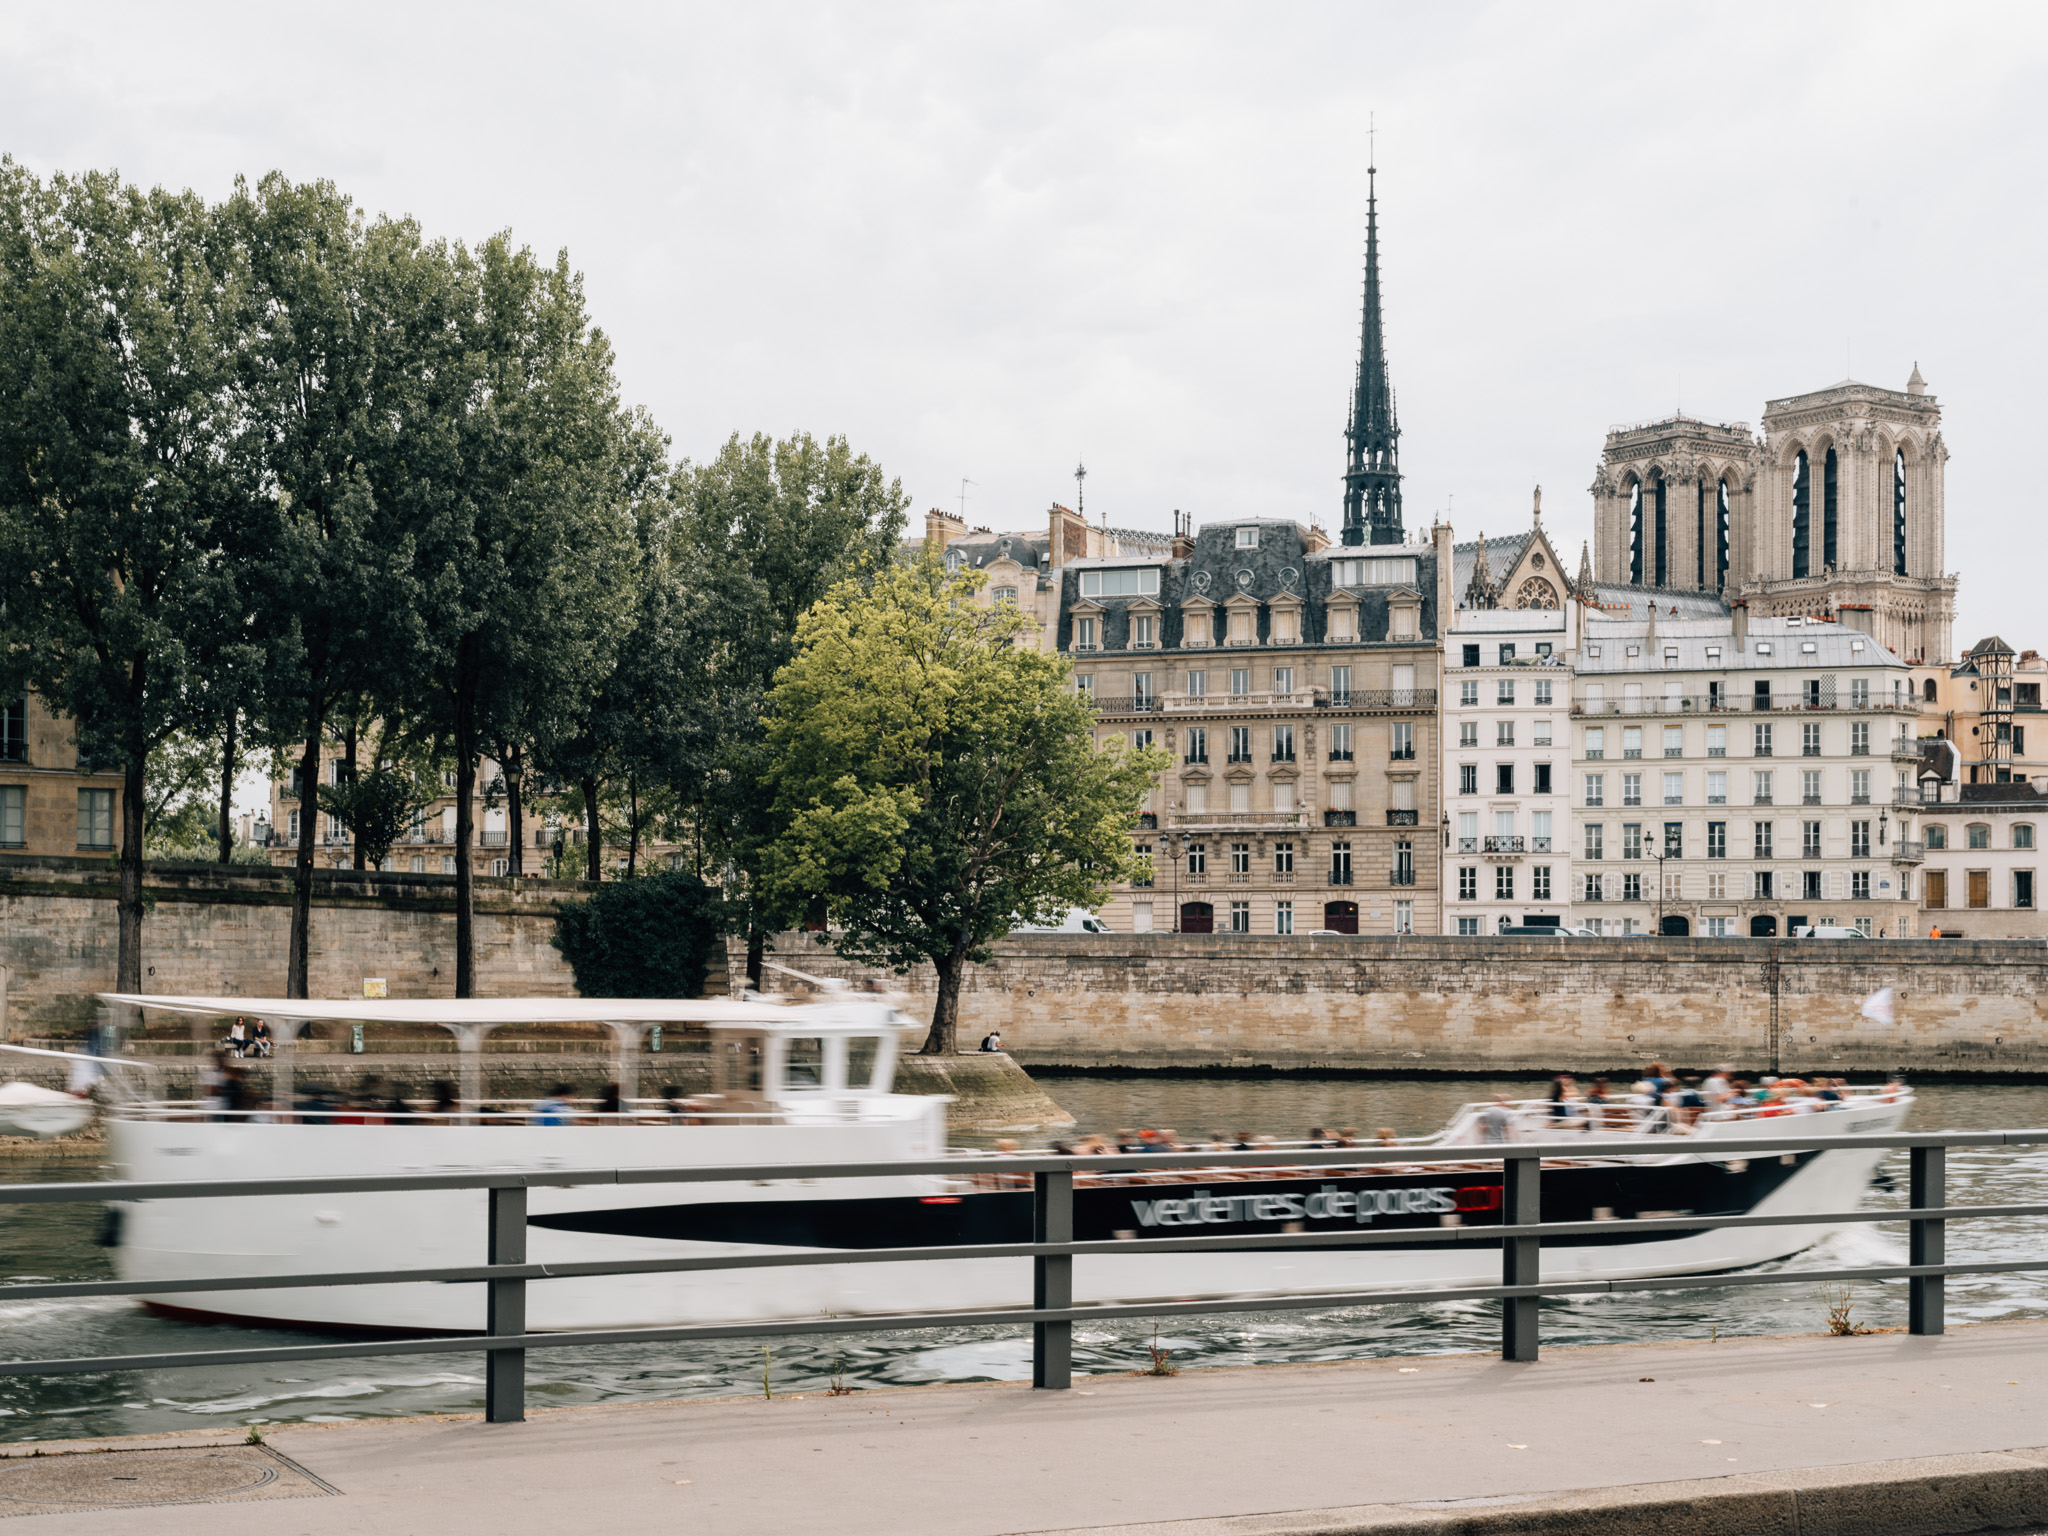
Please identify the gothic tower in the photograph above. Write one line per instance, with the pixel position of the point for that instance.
(1372, 479)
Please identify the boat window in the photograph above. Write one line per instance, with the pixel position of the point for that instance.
(861, 1054)
(804, 1063)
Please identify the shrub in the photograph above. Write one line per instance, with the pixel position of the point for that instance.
(654, 936)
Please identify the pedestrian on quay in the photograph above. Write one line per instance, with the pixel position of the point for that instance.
(553, 1107)
(238, 1038)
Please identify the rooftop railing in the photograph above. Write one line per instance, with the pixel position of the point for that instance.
(1514, 1226)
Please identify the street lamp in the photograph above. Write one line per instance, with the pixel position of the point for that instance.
(1172, 841)
(1651, 851)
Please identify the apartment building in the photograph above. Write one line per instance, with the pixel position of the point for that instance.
(1989, 705)
(1022, 568)
(49, 803)
(1507, 750)
(1738, 777)
(1295, 685)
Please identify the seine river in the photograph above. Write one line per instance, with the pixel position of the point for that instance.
(55, 1242)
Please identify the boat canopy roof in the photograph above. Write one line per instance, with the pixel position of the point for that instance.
(840, 1011)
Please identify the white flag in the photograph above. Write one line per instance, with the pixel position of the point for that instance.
(1878, 1006)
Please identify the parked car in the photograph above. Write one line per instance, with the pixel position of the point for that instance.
(1828, 931)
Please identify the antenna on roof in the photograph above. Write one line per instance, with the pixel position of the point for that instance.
(964, 483)
(1081, 490)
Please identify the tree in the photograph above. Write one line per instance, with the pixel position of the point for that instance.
(939, 782)
(770, 527)
(123, 511)
(347, 369)
(528, 560)
(377, 804)
(654, 937)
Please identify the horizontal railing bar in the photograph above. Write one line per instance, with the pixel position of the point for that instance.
(1353, 1238)
(1346, 1157)
(468, 1343)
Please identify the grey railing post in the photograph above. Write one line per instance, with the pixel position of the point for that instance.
(505, 1309)
(1928, 1241)
(1520, 1257)
(1052, 1280)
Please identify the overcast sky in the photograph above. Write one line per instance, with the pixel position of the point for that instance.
(987, 241)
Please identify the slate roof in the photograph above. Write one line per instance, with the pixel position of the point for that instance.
(1832, 646)
(1502, 556)
(1620, 600)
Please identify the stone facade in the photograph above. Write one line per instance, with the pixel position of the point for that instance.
(1837, 505)
(47, 806)
(1295, 684)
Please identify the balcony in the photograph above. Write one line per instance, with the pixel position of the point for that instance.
(1401, 877)
(1905, 752)
(1468, 845)
(1148, 821)
(1283, 757)
(1402, 818)
(1763, 799)
(1506, 845)
(1906, 854)
(1239, 819)
(1127, 704)
(495, 837)
(1539, 845)
(1240, 877)
(1340, 818)
(1340, 877)
(1714, 704)
(1398, 754)
(1283, 877)
(1238, 757)
(1815, 799)
(1862, 799)
(1345, 756)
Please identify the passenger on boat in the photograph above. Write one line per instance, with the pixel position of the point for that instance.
(553, 1108)
(1243, 1142)
(1497, 1120)
(609, 1104)
(1564, 1098)
(672, 1102)
(1385, 1136)
(1315, 1138)
(1127, 1141)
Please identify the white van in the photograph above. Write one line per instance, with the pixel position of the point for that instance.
(1829, 931)
(1079, 920)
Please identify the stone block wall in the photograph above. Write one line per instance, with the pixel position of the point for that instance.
(1485, 1005)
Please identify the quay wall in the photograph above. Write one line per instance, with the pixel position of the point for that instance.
(1491, 1005)
(1122, 1001)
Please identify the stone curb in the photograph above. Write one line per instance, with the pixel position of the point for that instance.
(1926, 1496)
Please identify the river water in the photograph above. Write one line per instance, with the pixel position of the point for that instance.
(55, 1242)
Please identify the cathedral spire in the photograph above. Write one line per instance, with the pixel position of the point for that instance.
(1372, 477)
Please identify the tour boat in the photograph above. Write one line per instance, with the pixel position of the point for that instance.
(809, 1083)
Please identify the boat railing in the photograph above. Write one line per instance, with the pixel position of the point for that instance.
(488, 1112)
(1510, 1220)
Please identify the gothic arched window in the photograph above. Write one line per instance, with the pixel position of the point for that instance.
(1536, 593)
(1827, 511)
(1899, 512)
(1802, 517)
(1661, 565)
(1721, 537)
(1635, 532)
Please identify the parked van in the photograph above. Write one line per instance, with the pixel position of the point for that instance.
(1828, 931)
(1079, 920)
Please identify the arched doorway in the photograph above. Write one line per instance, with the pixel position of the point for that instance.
(1340, 916)
(1197, 917)
(1675, 927)
(1763, 927)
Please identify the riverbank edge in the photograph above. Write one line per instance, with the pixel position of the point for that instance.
(1954, 1494)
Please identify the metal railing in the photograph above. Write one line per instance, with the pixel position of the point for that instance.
(1729, 704)
(1519, 1235)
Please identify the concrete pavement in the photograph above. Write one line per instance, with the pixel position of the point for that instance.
(1883, 1433)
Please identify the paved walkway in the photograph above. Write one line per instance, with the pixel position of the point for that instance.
(991, 1460)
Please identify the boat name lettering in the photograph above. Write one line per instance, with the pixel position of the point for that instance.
(1326, 1204)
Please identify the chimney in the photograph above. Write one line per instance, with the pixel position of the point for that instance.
(1440, 537)
(1857, 616)
(1315, 541)
(1652, 637)
(942, 528)
(1739, 612)
(1068, 535)
(1183, 534)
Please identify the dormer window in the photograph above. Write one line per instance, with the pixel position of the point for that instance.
(1635, 650)
(1084, 634)
(1593, 651)
(1763, 648)
(1670, 655)
(1133, 582)
(1855, 647)
(1247, 538)
(1808, 648)
(1713, 653)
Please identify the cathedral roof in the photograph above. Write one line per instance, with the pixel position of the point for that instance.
(1502, 556)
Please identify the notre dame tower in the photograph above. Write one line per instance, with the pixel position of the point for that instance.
(1835, 511)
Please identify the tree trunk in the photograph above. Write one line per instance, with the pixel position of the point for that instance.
(632, 824)
(593, 835)
(295, 976)
(227, 787)
(128, 959)
(946, 1011)
(465, 788)
(355, 835)
(757, 951)
(515, 816)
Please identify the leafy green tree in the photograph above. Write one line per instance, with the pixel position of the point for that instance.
(940, 782)
(123, 511)
(378, 804)
(652, 937)
(349, 378)
(528, 563)
(770, 527)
